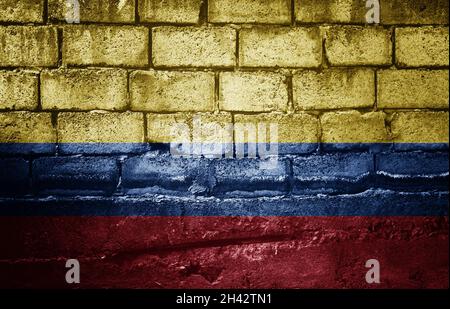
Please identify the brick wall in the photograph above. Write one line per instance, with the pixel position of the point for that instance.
(362, 109)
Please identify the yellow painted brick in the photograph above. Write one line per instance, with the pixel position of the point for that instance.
(191, 46)
(414, 11)
(22, 11)
(105, 45)
(253, 91)
(355, 45)
(212, 128)
(101, 127)
(280, 47)
(190, 128)
(168, 128)
(161, 91)
(23, 46)
(418, 47)
(420, 127)
(413, 89)
(117, 11)
(292, 128)
(18, 90)
(334, 89)
(85, 89)
(330, 11)
(250, 11)
(26, 127)
(354, 127)
(170, 11)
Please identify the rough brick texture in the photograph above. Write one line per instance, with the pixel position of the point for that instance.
(26, 127)
(196, 47)
(330, 11)
(280, 47)
(170, 11)
(160, 91)
(24, 46)
(29, 11)
(84, 89)
(352, 45)
(18, 90)
(103, 45)
(421, 47)
(413, 89)
(100, 127)
(109, 11)
(353, 126)
(334, 89)
(414, 12)
(249, 11)
(253, 92)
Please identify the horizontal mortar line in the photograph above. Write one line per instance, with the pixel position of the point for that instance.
(298, 23)
(313, 112)
(274, 69)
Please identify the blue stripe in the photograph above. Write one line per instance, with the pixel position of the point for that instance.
(369, 203)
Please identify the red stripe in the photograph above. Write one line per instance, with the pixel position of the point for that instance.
(224, 252)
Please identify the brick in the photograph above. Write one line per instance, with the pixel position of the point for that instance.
(354, 46)
(332, 173)
(354, 127)
(297, 133)
(170, 11)
(420, 127)
(26, 127)
(163, 175)
(414, 12)
(280, 47)
(196, 47)
(75, 175)
(413, 164)
(330, 11)
(208, 128)
(334, 89)
(413, 171)
(99, 127)
(419, 47)
(113, 11)
(84, 89)
(159, 91)
(250, 11)
(253, 92)
(245, 177)
(169, 128)
(26, 46)
(14, 178)
(105, 45)
(18, 90)
(413, 89)
(29, 11)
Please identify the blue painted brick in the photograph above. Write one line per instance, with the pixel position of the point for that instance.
(251, 177)
(75, 175)
(166, 175)
(14, 176)
(420, 146)
(332, 173)
(27, 148)
(412, 171)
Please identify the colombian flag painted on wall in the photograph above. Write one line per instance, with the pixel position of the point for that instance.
(224, 144)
